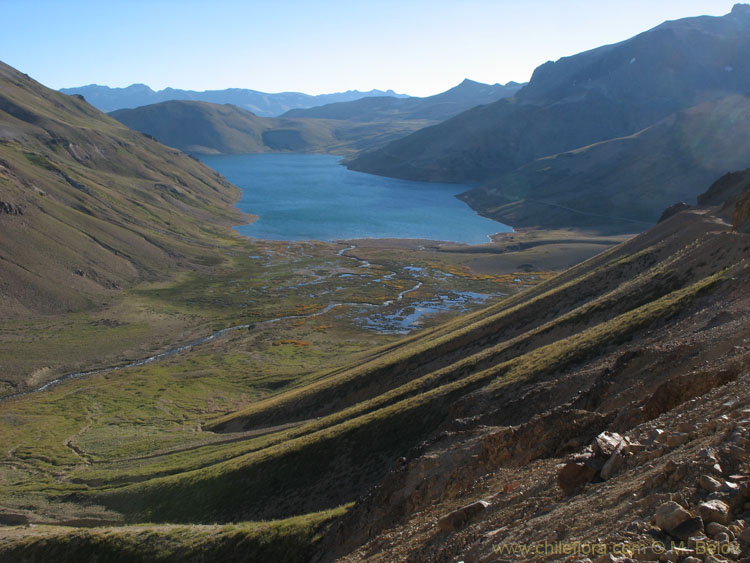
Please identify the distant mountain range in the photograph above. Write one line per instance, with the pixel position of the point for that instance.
(466, 95)
(261, 103)
(607, 93)
(341, 128)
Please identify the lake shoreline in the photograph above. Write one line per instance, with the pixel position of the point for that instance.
(312, 197)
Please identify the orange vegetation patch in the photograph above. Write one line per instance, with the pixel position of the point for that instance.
(297, 343)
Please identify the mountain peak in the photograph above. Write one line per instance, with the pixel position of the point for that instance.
(741, 10)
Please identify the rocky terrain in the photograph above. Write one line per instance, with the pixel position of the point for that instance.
(637, 452)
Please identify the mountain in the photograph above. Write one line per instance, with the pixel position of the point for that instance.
(341, 128)
(466, 95)
(261, 103)
(203, 127)
(606, 93)
(88, 206)
(624, 183)
(578, 412)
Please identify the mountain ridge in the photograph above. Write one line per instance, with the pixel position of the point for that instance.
(626, 180)
(261, 103)
(207, 128)
(606, 93)
(94, 206)
(439, 107)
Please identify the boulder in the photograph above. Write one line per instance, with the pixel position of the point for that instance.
(606, 443)
(687, 529)
(581, 469)
(714, 528)
(715, 511)
(614, 463)
(670, 515)
(677, 439)
(462, 516)
(709, 483)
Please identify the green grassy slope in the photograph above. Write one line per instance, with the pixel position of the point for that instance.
(284, 541)
(90, 206)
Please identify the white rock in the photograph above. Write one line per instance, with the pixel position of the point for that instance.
(709, 483)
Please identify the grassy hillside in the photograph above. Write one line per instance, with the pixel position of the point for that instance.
(207, 128)
(624, 183)
(90, 207)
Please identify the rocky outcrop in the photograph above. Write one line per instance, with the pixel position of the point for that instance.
(462, 516)
(599, 461)
(741, 215)
(673, 210)
(10, 208)
(546, 435)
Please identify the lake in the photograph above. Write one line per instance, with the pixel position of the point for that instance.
(311, 196)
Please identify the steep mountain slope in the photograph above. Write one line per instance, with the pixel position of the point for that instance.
(609, 92)
(89, 206)
(207, 128)
(510, 475)
(439, 107)
(338, 434)
(261, 103)
(624, 183)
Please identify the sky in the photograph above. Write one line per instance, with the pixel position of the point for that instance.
(418, 47)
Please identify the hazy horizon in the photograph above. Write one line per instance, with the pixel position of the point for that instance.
(418, 48)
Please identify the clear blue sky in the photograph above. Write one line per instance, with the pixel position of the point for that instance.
(419, 47)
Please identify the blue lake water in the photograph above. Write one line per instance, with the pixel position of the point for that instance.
(311, 196)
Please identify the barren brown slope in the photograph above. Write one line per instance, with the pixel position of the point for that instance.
(625, 183)
(89, 206)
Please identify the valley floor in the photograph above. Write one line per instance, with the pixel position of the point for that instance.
(305, 311)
